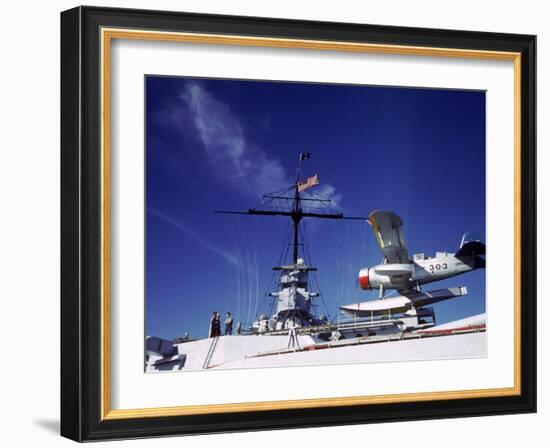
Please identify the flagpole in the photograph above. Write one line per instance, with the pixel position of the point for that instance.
(297, 212)
(298, 168)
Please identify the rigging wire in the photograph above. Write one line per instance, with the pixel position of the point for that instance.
(237, 277)
(256, 269)
(308, 260)
(246, 271)
(282, 256)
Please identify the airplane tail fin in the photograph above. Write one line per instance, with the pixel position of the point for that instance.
(472, 248)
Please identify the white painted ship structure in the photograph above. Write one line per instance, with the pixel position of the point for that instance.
(395, 328)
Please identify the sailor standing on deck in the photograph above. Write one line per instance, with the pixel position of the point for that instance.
(214, 330)
(228, 323)
(217, 325)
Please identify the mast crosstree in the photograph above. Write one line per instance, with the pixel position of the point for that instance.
(296, 213)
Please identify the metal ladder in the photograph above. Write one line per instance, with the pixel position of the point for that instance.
(210, 352)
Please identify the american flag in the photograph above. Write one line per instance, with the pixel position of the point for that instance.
(308, 183)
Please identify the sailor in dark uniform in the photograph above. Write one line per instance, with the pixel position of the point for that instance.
(215, 329)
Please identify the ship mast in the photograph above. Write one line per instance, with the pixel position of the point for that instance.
(297, 212)
(293, 299)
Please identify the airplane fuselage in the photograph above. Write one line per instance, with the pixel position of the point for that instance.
(417, 272)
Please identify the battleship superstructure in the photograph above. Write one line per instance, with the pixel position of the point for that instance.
(294, 335)
(293, 301)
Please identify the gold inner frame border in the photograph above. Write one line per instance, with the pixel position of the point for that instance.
(107, 35)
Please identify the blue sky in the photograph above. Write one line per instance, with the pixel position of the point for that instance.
(221, 144)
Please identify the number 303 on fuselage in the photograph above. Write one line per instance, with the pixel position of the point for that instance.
(398, 271)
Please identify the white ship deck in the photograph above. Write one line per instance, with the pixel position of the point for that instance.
(255, 351)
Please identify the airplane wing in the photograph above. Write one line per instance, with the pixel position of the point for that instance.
(388, 229)
(404, 302)
(423, 298)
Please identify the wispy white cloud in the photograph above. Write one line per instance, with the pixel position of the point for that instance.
(328, 191)
(227, 256)
(232, 157)
(219, 129)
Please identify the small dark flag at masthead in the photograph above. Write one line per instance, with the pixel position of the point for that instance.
(305, 156)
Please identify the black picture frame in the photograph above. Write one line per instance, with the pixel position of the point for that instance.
(81, 379)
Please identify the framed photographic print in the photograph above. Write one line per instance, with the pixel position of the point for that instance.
(273, 223)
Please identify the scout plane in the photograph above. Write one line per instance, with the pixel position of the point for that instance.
(399, 272)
